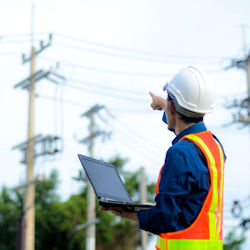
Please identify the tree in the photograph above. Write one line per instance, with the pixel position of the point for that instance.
(56, 220)
(10, 212)
(234, 242)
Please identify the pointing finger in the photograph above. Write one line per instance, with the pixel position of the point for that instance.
(152, 94)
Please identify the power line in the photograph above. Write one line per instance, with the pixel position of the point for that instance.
(135, 54)
(112, 54)
(104, 93)
(140, 143)
(126, 133)
(108, 71)
(116, 51)
(126, 56)
(10, 53)
(140, 137)
(59, 114)
(80, 104)
(105, 87)
(21, 35)
(16, 41)
(70, 102)
(134, 51)
(135, 149)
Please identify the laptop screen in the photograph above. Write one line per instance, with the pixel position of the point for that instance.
(104, 179)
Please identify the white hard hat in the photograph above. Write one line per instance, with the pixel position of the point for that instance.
(191, 91)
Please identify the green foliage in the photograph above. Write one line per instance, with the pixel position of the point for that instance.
(118, 162)
(46, 190)
(56, 222)
(234, 242)
(9, 215)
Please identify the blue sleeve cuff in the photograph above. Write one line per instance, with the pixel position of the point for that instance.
(143, 218)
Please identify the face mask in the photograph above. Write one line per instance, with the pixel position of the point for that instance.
(164, 118)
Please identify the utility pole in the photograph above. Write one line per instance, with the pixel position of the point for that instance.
(248, 84)
(91, 195)
(89, 140)
(143, 199)
(30, 189)
(28, 147)
(243, 63)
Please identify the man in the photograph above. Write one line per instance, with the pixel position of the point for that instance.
(189, 190)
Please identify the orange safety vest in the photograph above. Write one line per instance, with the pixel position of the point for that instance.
(205, 232)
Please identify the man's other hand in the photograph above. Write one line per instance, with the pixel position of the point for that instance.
(120, 212)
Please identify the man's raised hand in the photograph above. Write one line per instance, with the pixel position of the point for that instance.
(158, 103)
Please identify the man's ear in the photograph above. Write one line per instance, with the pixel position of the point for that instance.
(171, 107)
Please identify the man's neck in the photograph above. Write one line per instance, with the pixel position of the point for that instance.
(181, 125)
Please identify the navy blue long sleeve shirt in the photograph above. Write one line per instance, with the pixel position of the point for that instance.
(184, 185)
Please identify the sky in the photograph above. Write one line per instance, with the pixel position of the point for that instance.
(113, 53)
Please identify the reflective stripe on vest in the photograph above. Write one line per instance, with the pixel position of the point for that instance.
(181, 244)
(206, 231)
(158, 181)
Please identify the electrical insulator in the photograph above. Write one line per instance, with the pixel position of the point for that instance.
(236, 209)
(245, 224)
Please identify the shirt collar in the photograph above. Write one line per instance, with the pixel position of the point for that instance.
(196, 128)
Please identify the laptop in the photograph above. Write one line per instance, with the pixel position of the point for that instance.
(108, 185)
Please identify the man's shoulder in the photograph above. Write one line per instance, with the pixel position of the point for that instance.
(182, 146)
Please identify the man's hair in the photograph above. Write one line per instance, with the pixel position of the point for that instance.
(185, 118)
(190, 119)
